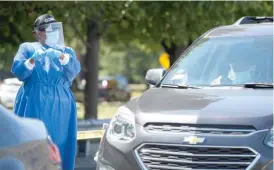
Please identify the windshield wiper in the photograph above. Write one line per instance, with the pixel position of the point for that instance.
(258, 85)
(247, 85)
(179, 86)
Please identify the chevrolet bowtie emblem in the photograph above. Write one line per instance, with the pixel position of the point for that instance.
(193, 140)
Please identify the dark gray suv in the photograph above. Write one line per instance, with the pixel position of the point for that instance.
(213, 109)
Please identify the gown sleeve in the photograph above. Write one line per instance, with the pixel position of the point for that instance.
(72, 66)
(21, 66)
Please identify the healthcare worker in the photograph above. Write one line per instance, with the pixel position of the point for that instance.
(47, 69)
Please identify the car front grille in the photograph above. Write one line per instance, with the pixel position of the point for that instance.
(186, 157)
(199, 129)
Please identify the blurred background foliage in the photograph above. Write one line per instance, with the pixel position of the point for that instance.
(130, 34)
(130, 29)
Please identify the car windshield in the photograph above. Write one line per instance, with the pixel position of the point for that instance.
(225, 61)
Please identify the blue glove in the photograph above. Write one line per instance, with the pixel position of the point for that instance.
(37, 54)
(52, 53)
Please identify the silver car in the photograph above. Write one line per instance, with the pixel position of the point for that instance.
(25, 144)
(212, 110)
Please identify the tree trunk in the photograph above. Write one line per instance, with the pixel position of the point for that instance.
(174, 51)
(172, 56)
(91, 62)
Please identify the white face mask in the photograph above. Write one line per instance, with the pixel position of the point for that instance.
(52, 38)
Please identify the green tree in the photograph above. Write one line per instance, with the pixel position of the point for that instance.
(142, 28)
(175, 25)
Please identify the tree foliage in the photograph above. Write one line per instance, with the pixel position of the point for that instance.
(182, 21)
(138, 23)
(134, 22)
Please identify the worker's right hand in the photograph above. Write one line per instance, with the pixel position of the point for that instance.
(37, 54)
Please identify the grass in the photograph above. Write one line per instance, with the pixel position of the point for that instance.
(107, 109)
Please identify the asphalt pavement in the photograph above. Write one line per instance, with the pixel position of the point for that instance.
(85, 155)
(85, 163)
(86, 149)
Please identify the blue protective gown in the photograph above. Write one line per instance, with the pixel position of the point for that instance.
(46, 95)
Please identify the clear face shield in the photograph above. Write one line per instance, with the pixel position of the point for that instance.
(54, 33)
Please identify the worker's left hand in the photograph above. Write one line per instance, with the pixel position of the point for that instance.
(53, 53)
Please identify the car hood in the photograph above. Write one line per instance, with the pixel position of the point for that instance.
(235, 106)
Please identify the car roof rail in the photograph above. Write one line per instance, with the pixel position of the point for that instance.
(253, 20)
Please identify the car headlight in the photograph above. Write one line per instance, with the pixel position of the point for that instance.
(269, 138)
(122, 126)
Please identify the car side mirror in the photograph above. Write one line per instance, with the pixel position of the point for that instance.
(153, 76)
